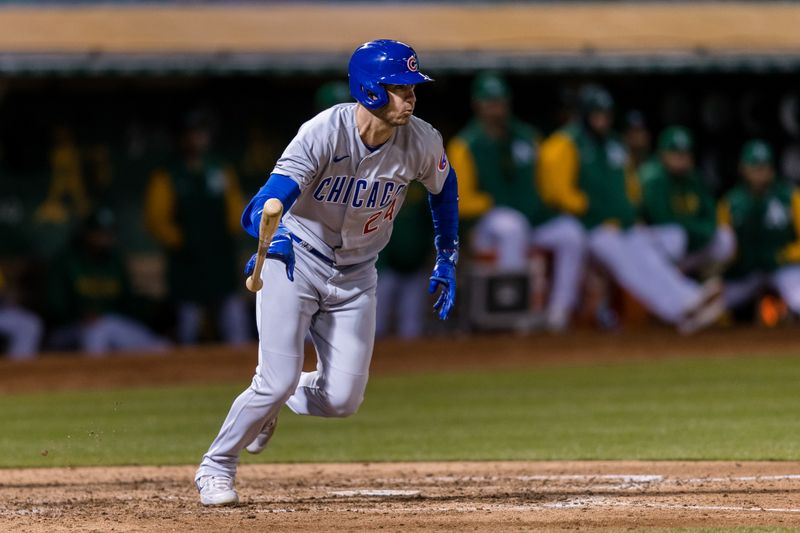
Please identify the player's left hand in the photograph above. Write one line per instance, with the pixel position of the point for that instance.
(444, 275)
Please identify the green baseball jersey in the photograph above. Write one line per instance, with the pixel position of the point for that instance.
(765, 225)
(682, 200)
(501, 169)
(82, 286)
(601, 177)
(203, 269)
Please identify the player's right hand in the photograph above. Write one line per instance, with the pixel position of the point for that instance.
(280, 248)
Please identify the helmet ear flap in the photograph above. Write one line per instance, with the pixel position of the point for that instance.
(372, 95)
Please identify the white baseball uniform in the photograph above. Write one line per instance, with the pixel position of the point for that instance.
(350, 194)
(673, 240)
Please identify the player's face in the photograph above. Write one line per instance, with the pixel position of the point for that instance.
(638, 139)
(400, 107)
(493, 111)
(678, 162)
(758, 177)
(197, 140)
(600, 122)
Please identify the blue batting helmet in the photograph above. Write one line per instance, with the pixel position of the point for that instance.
(378, 63)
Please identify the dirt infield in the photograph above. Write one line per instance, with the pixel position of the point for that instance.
(409, 497)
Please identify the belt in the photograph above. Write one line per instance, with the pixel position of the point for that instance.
(313, 251)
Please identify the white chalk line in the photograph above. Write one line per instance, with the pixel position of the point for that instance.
(600, 501)
(379, 493)
(611, 479)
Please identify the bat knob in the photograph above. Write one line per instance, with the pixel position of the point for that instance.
(273, 208)
(253, 284)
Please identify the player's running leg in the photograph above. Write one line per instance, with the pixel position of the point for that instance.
(343, 333)
(283, 315)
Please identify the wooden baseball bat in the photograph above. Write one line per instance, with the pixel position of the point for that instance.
(270, 217)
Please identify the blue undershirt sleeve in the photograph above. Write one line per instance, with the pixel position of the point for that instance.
(444, 212)
(277, 186)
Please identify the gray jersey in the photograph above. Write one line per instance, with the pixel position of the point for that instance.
(349, 194)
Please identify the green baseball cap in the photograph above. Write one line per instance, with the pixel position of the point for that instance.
(490, 86)
(756, 152)
(593, 98)
(676, 139)
(332, 93)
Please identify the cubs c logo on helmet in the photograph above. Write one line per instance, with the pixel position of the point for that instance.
(412, 63)
(443, 162)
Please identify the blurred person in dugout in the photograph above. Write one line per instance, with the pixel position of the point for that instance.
(679, 209)
(495, 158)
(192, 208)
(764, 213)
(638, 140)
(331, 93)
(582, 172)
(89, 296)
(20, 330)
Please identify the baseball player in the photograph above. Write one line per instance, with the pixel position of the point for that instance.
(680, 210)
(764, 211)
(341, 180)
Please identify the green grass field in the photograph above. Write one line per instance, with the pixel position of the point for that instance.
(732, 408)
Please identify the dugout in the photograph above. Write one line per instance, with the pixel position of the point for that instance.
(111, 81)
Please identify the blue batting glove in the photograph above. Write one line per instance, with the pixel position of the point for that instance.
(280, 248)
(444, 275)
(250, 266)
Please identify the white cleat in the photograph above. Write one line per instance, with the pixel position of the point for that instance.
(261, 440)
(217, 490)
